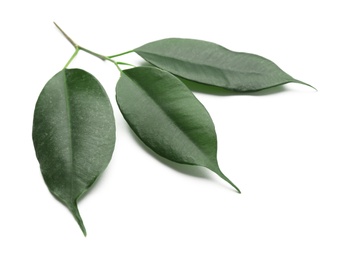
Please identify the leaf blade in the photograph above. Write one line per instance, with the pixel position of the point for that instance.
(214, 65)
(168, 118)
(73, 135)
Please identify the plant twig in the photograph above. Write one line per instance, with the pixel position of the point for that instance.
(78, 47)
(66, 36)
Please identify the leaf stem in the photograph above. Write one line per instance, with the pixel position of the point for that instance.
(117, 66)
(72, 58)
(120, 54)
(124, 63)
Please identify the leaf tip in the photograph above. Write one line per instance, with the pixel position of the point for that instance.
(310, 86)
(306, 84)
(224, 177)
(84, 232)
(81, 225)
(235, 187)
(75, 211)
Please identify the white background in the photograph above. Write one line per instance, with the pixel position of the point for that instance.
(284, 148)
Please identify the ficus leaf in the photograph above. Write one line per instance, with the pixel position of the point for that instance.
(73, 135)
(168, 118)
(214, 65)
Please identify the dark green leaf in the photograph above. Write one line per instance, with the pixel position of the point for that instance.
(212, 64)
(168, 118)
(73, 135)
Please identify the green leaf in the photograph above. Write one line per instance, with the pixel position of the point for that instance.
(73, 135)
(212, 64)
(168, 118)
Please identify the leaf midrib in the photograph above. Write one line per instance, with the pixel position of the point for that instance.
(69, 126)
(203, 64)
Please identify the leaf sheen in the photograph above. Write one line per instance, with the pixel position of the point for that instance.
(168, 118)
(73, 135)
(213, 65)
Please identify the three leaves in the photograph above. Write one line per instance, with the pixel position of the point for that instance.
(74, 126)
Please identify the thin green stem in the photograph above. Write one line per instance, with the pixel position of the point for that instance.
(120, 54)
(72, 58)
(124, 63)
(114, 62)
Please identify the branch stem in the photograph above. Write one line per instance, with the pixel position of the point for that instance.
(93, 53)
(78, 47)
(66, 36)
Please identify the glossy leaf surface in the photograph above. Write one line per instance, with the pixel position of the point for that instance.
(73, 135)
(212, 64)
(168, 118)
